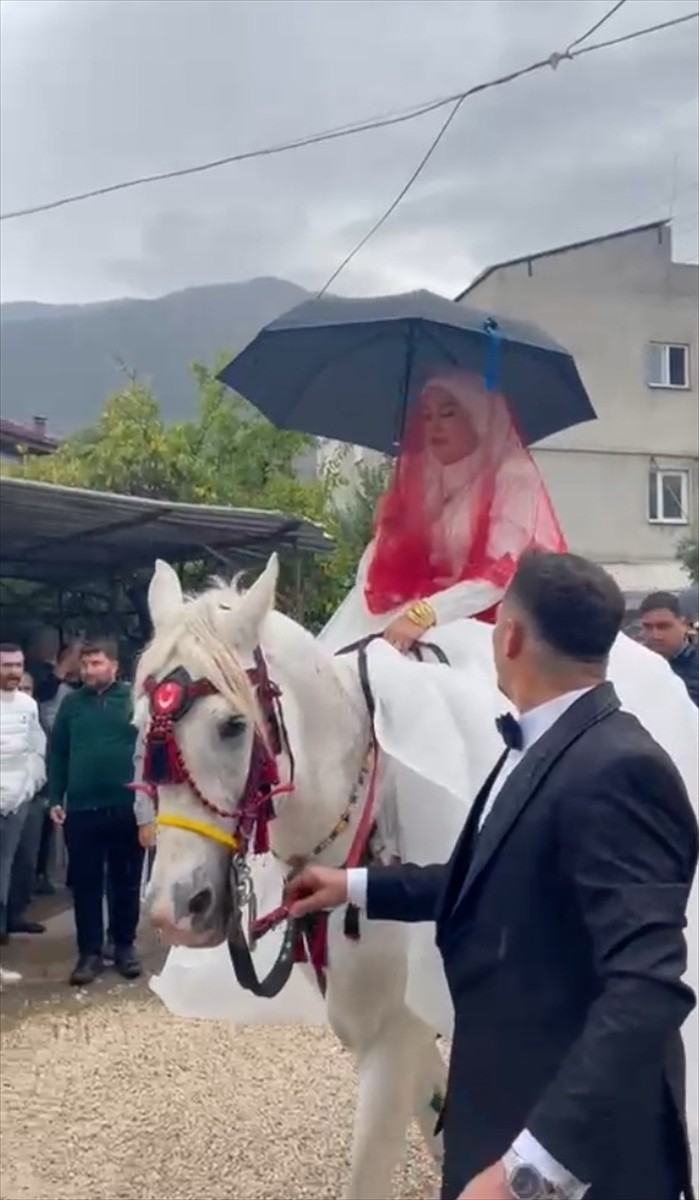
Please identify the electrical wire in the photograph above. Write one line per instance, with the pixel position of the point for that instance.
(635, 33)
(552, 61)
(598, 25)
(348, 130)
(312, 139)
(394, 204)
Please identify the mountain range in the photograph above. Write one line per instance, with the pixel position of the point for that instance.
(62, 361)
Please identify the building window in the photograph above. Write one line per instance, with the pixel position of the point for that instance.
(667, 365)
(668, 497)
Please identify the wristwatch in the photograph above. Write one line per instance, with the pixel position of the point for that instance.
(526, 1182)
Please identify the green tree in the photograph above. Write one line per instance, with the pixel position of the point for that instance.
(227, 455)
(688, 555)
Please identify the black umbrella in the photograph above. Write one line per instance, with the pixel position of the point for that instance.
(348, 369)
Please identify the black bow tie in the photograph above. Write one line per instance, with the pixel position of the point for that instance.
(510, 731)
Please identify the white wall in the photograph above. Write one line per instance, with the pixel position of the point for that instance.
(605, 302)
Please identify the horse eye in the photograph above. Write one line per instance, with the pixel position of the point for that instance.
(232, 727)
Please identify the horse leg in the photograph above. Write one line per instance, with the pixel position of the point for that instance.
(391, 1069)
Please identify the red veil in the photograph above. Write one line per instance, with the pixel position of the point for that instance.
(440, 525)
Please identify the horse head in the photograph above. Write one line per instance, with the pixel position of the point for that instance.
(208, 745)
(228, 697)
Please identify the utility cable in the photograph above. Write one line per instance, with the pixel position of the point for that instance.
(348, 130)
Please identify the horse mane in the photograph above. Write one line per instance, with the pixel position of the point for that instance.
(194, 635)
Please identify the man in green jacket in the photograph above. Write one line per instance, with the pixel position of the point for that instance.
(90, 768)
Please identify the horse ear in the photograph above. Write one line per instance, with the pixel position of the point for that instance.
(164, 594)
(258, 601)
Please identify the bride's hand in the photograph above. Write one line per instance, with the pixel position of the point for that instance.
(402, 633)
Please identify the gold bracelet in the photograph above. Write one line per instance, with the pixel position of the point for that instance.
(422, 614)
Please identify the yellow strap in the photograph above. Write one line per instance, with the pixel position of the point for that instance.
(200, 827)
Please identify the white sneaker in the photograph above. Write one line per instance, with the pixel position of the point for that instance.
(9, 977)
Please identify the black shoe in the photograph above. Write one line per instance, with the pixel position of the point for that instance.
(87, 968)
(20, 926)
(126, 962)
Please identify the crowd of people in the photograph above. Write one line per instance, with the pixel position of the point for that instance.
(67, 744)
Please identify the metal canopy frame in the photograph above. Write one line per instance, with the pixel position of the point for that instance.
(36, 546)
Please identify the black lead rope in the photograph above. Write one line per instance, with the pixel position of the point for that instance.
(241, 958)
(279, 973)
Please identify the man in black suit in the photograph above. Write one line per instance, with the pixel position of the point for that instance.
(560, 920)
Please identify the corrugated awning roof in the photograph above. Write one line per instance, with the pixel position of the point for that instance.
(49, 532)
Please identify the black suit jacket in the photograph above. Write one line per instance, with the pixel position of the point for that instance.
(561, 930)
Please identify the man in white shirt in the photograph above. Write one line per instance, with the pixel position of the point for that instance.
(560, 920)
(22, 764)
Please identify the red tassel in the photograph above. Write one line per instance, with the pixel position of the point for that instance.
(261, 842)
(174, 761)
(162, 761)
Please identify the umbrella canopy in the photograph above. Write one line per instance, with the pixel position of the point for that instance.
(348, 368)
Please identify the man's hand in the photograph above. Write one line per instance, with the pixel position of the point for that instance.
(402, 633)
(57, 814)
(146, 836)
(491, 1184)
(315, 888)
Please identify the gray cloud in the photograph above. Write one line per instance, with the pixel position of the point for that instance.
(97, 91)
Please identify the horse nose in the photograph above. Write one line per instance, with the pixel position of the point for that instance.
(200, 903)
(179, 909)
(160, 910)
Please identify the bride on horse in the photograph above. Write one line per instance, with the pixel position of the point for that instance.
(465, 501)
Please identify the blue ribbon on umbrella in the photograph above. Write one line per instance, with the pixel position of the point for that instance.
(491, 374)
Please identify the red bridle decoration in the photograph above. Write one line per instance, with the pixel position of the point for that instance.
(164, 763)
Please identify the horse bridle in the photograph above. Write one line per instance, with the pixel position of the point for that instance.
(169, 700)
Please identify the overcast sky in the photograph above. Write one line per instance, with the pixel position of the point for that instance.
(94, 91)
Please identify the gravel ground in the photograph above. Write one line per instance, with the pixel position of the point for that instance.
(124, 1102)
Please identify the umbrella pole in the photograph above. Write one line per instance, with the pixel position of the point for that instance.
(402, 414)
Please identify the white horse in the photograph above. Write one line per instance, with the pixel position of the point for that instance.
(376, 986)
(214, 637)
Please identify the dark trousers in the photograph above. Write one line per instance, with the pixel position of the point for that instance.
(103, 844)
(23, 875)
(47, 842)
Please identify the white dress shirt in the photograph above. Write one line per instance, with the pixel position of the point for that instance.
(534, 724)
(22, 751)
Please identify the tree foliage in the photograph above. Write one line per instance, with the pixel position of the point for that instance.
(226, 455)
(688, 555)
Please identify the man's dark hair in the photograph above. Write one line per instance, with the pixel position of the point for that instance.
(658, 600)
(101, 645)
(10, 648)
(575, 606)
